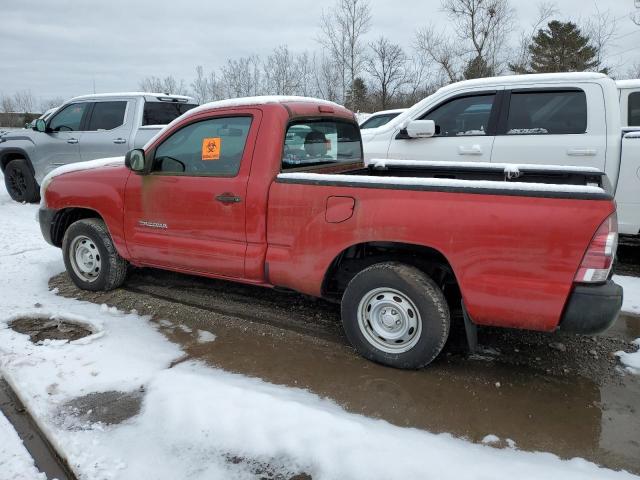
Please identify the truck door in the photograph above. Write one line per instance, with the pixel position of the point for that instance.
(189, 212)
(59, 145)
(108, 130)
(555, 126)
(464, 131)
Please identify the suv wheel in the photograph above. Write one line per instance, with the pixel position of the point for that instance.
(21, 185)
(396, 315)
(90, 256)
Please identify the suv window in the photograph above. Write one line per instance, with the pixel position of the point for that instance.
(319, 142)
(209, 147)
(378, 120)
(162, 113)
(462, 116)
(69, 118)
(634, 109)
(107, 115)
(547, 113)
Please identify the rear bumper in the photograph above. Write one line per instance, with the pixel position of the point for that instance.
(45, 217)
(592, 308)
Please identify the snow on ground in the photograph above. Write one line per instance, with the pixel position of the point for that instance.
(15, 461)
(631, 360)
(198, 422)
(631, 287)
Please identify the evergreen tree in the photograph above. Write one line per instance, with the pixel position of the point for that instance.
(561, 47)
(357, 95)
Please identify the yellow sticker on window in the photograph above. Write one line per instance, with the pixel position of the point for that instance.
(211, 148)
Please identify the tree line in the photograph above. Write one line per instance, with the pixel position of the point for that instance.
(369, 74)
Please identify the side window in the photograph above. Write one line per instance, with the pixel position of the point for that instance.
(462, 116)
(162, 113)
(107, 115)
(209, 147)
(634, 109)
(547, 113)
(69, 119)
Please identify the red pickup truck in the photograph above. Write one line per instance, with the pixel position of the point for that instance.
(273, 191)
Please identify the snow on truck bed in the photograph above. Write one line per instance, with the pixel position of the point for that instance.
(384, 162)
(442, 183)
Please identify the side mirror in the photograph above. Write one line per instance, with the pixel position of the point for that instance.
(421, 128)
(135, 160)
(40, 126)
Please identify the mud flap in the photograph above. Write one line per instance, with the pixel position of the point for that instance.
(471, 331)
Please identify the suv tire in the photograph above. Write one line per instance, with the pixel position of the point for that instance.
(21, 185)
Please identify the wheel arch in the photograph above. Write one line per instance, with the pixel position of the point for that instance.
(14, 153)
(63, 219)
(357, 257)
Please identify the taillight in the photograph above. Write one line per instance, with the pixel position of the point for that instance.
(598, 260)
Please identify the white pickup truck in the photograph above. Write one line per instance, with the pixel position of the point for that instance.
(629, 103)
(569, 119)
(84, 128)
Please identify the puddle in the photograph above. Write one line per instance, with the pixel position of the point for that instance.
(106, 408)
(41, 328)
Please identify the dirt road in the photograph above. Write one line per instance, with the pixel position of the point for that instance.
(561, 394)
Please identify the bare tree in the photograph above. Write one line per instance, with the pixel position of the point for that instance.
(200, 86)
(6, 104)
(282, 76)
(24, 102)
(522, 56)
(168, 84)
(439, 49)
(328, 78)
(241, 77)
(485, 25)
(600, 28)
(634, 71)
(387, 67)
(342, 29)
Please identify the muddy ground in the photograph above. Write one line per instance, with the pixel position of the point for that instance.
(562, 394)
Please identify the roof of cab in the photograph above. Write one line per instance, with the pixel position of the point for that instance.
(631, 83)
(262, 100)
(528, 78)
(130, 94)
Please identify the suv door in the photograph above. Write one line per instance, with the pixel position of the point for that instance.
(59, 145)
(189, 212)
(465, 126)
(543, 125)
(108, 129)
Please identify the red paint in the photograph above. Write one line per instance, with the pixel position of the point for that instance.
(514, 257)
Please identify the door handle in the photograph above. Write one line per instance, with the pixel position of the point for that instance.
(228, 198)
(582, 152)
(472, 150)
(72, 140)
(120, 140)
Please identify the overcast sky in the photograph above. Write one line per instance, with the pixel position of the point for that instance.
(60, 48)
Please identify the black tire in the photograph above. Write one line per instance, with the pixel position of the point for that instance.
(21, 185)
(416, 290)
(92, 237)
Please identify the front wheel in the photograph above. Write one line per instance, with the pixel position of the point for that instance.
(21, 185)
(396, 315)
(91, 258)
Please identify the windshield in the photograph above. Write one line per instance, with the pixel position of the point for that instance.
(320, 142)
(378, 120)
(162, 113)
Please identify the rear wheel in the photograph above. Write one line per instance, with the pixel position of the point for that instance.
(90, 256)
(396, 315)
(21, 185)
